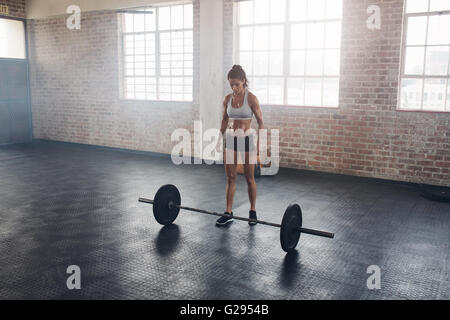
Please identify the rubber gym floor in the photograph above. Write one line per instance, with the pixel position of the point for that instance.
(66, 204)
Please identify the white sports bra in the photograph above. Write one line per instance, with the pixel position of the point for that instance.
(242, 113)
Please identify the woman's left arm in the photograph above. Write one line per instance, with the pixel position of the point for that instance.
(254, 105)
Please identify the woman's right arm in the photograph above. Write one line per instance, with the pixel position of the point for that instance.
(224, 125)
(225, 117)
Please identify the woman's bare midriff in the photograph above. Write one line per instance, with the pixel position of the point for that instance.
(243, 125)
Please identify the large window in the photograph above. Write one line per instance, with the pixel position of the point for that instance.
(12, 39)
(426, 56)
(290, 50)
(158, 49)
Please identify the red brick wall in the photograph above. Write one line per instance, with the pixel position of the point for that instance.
(365, 136)
(16, 8)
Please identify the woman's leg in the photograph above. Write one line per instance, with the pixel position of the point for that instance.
(249, 172)
(230, 170)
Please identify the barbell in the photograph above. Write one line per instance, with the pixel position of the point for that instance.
(167, 205)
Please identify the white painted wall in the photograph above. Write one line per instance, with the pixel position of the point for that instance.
(211, 63)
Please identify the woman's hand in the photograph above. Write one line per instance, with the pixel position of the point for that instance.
(219, 145)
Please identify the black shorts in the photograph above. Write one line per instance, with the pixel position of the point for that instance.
(242, 144)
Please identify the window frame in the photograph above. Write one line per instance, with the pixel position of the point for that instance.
(422, 77)
(156, 32)
(287, 25)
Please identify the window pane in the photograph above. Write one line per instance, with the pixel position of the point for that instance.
(276, 63)
(246, 38)
(331, 92)
(12, 39)
(277, 10)
(140, 95)
(439, 29)
(165, 96)
(178, 81)
(276, 37)
(129, 69)
(333, 35)
(259, 89)
(129, 59)
(246, 61)
(261, 63)
(150, 21)
(188, 16)
(297, 67)
(261, 39)
(261, 11)
(150, 39)
(437, 61)
(187, 81)
(164, 18)
(334, 9)
(150, 88)
(188, 65)
(316, 9)
(298, 10)
(439, 5)
(315, 35)
(411, 94)
(298, 36)
(433, 95)
(416, 33)
(176, 17)
(276, 86)
(129, 43)
(139, 41)
(413, 6)
(313, 92)
(139, 22)
(129, 22)
(296, 91)
(414, 60)
(245, 12)
(150, 96)
(139, 65)
(177, 42)
(188, 42)
(314, 62)
(331, 62)
(140, 88)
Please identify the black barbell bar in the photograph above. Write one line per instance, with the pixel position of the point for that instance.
(301, 229)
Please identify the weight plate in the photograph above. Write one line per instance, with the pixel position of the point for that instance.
(290, 227)
(162, 210)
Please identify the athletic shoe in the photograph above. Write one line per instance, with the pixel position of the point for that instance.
(224, 220)
(252, 215)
